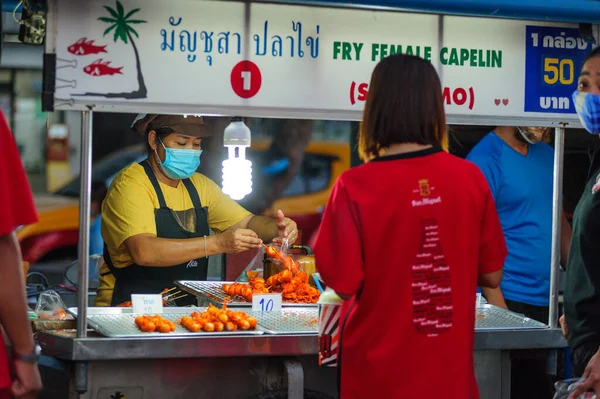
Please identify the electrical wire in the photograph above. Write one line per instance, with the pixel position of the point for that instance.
(40, 275)
(14, 14)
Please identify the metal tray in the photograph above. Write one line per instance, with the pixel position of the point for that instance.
(211, 291)
(290, 321)
(118, 311)
(115, 325)
(495, 318)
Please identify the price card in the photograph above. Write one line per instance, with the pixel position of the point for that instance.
(266, 302)
(478, 301)
(147, 304)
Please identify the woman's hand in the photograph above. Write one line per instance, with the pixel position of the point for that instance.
(590, 379)
(563, 326)
(237, 240)
(286, 228)
(28, 381)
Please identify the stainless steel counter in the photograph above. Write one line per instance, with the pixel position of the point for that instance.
(64, 345)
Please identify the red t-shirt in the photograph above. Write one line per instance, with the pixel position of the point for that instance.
(409, 235)
(16, 207)
(16, 200)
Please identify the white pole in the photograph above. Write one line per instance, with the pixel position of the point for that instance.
(557, 210)
(84, 224)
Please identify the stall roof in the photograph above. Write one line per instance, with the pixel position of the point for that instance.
(587, 11)
(10, 5)
(536, 10)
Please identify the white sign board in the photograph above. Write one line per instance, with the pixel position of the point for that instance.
(299, 61)
(147, 304)
(266, 302)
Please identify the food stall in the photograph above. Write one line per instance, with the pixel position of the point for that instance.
(276, 60)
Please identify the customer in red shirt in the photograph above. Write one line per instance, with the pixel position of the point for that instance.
(408, 236)
(16, 209)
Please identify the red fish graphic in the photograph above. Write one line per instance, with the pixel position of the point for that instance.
(99, 68)
(85, 47)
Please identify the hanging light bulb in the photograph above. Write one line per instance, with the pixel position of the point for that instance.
(237, 170)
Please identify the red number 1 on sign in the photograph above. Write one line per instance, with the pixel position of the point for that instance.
(246, 79)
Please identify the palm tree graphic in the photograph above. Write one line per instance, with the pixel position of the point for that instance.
(121, 25)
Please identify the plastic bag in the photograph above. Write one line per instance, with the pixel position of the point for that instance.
(50, 306)
(254, 268)
(282, 259)
(566, 387)
(285, 246)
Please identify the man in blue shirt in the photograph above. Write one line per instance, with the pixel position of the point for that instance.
(518, 166)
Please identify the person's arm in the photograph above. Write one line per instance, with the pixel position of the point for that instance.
(271, 229)
(13, 302)
(493, 296)
(339, 248)
(565, 241)
(265, 227)
(225, 214)
(149, 250)
(563, 326)
(128, 219)
(16, 209)
(13, 313)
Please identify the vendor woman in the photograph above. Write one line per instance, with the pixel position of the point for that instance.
(157, 214)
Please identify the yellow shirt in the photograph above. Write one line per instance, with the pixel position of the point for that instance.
(129, 207)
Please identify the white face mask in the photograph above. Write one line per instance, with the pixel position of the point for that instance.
(529, 136)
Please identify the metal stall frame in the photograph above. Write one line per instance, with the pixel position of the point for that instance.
(79, 351)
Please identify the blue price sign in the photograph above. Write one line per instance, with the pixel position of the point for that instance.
(553, 59)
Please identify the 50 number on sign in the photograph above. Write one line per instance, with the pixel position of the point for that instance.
(266, 302)
(561, 71)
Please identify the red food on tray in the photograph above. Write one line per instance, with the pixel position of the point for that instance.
(291, 282)
(215, 319)
(154, 324)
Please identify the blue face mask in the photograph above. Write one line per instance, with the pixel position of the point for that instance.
(587, 106)
(179, 163)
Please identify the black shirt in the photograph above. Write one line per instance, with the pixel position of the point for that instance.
(582, 288)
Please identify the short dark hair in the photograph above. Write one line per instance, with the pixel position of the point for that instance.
(161, 133)
(404, 105)
(595, 53)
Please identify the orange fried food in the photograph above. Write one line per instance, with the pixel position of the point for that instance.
(252, 274)
(191, 324)
(287, 262)
(239, 289)
(273, 252)
(257, 285)
(155, 324)
(290, 282)
(293, 287)
(215, 319)
(252, 321)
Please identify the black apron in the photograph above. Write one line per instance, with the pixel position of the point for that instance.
(135, 279)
